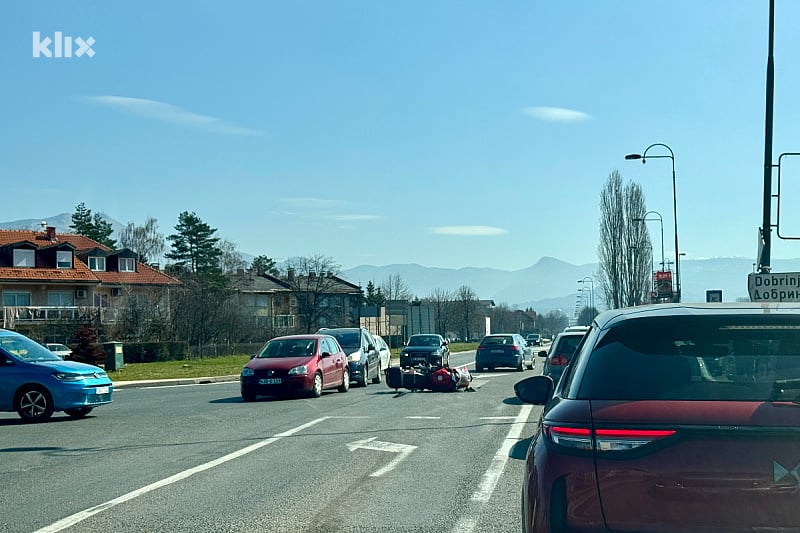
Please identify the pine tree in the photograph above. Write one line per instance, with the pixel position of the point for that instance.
(194, 246)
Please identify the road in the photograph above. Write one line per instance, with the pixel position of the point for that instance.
(197, 458)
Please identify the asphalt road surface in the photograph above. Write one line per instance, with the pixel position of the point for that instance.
(197, 458)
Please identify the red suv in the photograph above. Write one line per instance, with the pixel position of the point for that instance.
(671, 418)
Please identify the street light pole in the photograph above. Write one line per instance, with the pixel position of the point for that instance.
(661, 223)
(591, 293)
(643, 157)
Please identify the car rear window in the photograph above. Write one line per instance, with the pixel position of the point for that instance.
(503, 339)
(567, 344)
(697, 358)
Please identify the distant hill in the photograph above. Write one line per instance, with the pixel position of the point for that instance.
(552, 284)
(548, 285)
(61, 222)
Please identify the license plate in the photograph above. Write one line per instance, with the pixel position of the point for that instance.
(498, 351)
(101, 390)
(269, 381)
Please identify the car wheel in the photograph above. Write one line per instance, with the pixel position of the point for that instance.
(345, 386)
(316, 389)
(377, 378)
(248, 396)
(80, 412)
(363, 381)
(521, 366)
(34, 404)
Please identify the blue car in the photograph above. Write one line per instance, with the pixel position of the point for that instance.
(35, 382)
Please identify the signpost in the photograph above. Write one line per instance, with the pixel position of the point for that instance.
(774, 286)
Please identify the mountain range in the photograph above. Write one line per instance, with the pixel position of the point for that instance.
(548, 285)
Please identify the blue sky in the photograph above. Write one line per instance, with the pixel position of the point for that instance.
(445, 133)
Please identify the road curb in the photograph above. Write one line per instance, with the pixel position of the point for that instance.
(171, 382)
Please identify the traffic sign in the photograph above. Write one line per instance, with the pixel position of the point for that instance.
(774, 286)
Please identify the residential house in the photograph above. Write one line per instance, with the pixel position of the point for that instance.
(297, 303)
(66, 278)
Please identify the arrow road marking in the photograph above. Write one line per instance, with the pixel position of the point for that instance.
(402, 451)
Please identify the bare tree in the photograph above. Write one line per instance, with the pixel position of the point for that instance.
(230, 258)
(466, 310)
(504, 319)
(442, 302)
(552, 322)
(395, 288)
(624, 247)
(314, 289)
(145, 240)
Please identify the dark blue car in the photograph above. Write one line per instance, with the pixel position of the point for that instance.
(35, 382)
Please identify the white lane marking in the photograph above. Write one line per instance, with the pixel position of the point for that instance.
(424, 417)
(402, 451)
(495, 470)
(70, 521)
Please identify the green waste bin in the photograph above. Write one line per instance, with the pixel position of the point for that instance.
(114, 356)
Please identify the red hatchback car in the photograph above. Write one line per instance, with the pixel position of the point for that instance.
(296, 363)
(671, 418)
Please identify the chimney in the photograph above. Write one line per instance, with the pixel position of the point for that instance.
(330, 274)
(312, 275)
(51, 233)
(290, 274)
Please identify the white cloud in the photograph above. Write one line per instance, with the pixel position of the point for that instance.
(172, 114)
(469, 231)
(354, 218)
(556, 114)
(311, 203)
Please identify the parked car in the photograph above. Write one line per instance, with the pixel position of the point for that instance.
(501, 350)
(676, 417)
(533, 339)
(560, 353)
(385, 352)
(60, 350)
(363, 358)
(425, 348)
(35, 382)
(296, 363)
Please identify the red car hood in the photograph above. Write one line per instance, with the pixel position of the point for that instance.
(278, 363)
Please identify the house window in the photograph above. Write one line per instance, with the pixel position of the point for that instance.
(63, 259)
(283, 321)
(61, 298)
(127, 264)
(11, 299)
(100, 300)
(24, 258)
(97, 263)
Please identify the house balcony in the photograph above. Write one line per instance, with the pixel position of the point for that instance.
(34, 314)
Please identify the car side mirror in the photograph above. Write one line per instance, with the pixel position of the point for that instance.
(253, 356)
(542, 353)
(371, 348)
(445, 343)
(536, 390)
(325, 354)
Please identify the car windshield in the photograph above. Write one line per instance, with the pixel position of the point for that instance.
(288, 348)
(424, 340)
(26, 349)
(697, 358)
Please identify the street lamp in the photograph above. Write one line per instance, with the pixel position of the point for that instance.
(590, 279)
(643, 157)
(661, 222)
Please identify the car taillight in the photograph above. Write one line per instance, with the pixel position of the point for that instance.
(610, 440)
(580, 438)
(559, 360)
(482, 348)
(604, 440)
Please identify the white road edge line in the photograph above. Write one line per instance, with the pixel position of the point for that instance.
(424, 417)
(496, 467)
(70, 521)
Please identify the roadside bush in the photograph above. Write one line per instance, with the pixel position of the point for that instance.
(150, 352)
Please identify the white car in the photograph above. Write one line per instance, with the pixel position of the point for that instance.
(383, 350)
(59, 349)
